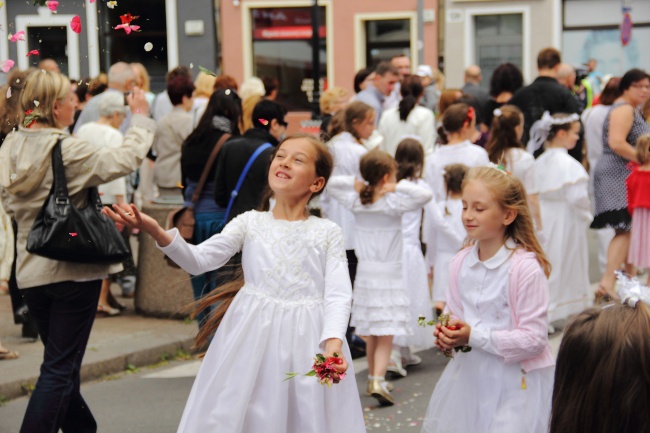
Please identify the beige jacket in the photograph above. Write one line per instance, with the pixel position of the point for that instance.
(172, 131)
(26, 179)
(6, 245)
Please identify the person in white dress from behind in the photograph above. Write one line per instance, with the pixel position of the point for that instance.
(562, 184)
(458, 125)
(408, 119)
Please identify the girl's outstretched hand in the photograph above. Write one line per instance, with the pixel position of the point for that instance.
(455, 334)
(129, 215)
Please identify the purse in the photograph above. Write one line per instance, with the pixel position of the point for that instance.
(183, 218)
(64, 232)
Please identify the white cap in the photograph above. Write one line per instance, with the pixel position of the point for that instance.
(111, 102)
(424, 71)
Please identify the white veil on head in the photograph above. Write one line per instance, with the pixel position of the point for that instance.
(540, 129)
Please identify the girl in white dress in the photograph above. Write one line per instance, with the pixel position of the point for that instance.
(447, 233)
(563, 187)
(409, 156)
(294, 303)
(498, 299)
(380, 308)
(459, 125)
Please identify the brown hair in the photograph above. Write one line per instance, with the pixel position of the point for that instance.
(602, 376)
(509, 192)
(356, 113)
(548, 58)
(225, 82)
(561, 127)
(643, 149)
(455, 117)
(411, 90)
(454, 176)
(409, 157)
(374, 165)
(447, 98)
(337, 124)
(222, 296)
(611, 92)
(503, 135)
(46, 88)
(98, 85)
(10, 108)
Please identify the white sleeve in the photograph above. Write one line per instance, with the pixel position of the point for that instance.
(428, 133)
(338, 288)
(341, 189)
(407, 197)
(577, 194)
(212, 253)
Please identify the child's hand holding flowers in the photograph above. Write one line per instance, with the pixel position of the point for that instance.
(327, 369)
(451, 334)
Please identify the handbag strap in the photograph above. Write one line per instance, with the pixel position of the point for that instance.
(208, 166)
(242, 176)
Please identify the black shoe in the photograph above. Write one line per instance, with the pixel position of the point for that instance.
(30, 330)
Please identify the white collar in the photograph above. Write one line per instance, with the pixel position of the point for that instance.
(496, 260)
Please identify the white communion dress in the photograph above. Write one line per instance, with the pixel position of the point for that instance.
(563, 187)
(296, 295)
(380, 303)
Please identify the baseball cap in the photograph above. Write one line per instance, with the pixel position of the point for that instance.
(424, 71)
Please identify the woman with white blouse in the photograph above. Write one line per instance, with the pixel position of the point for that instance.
(408, 119)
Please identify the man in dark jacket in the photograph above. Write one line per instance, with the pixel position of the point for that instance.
(269, 126)
(545, 93)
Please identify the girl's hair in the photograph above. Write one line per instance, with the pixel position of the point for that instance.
(509, 192)
(643, 149)
(204, 85)
(374, 165)
(10, 112)
(222, 296)
(555, 128)
(502, 133)
(224, 103)
(409, 157)
(602, 376)
(447, 98)
(411, 90)
(47, 88)
(356, 113)
(456, 116)
(454, 176)
(337, 124)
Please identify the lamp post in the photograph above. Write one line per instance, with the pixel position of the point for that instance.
(315, 57)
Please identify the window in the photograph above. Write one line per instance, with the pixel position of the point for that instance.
(387, 38)
(498, 39)
(51, 43)
(117, 46)
(282, 49)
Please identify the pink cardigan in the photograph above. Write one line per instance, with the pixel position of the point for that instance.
(527, 343)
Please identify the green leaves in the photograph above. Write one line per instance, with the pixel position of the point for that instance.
(205, 70)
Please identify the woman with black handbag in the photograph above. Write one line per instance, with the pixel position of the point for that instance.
(62, 293)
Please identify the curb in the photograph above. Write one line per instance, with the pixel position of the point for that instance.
(100, 369)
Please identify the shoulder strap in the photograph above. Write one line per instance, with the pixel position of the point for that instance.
(59, 183)
(242, 176)
(208, 166)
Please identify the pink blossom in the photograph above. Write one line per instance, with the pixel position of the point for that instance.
(52, 5)
(75, 24)
(7, 65)
(18, 36)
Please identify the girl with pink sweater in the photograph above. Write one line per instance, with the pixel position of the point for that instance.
(502, 379)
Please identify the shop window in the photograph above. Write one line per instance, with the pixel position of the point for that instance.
(51, 43)
(282, 48)
(117, 46)
(387, 38)
(497, 39)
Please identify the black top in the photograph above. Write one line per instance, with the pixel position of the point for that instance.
(195, 154)
(543, 94)
(230, 163)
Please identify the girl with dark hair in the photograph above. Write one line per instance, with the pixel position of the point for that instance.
(623, 126)
(459, 126)
(506, 80)
(408, 119)
(221, 117)
(380, 308)
(293, 303)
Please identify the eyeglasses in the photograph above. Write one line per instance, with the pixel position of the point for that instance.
(641, 86)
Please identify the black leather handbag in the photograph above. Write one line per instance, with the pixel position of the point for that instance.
(63, 232)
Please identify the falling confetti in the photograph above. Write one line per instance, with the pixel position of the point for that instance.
(8, 92)
(75, 24)
(6, 65)
(111, 4)
(13, 176)
(33, 53)
(73, 234)
(37, 103)
(148, 46)
(18, 36)
(126, 23)
(52, 5)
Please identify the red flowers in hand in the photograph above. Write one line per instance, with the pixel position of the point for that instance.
(324, 369)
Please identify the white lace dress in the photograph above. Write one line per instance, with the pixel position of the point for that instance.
(381, 303)
(297, 294)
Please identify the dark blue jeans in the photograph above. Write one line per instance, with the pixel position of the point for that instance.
(64, 313)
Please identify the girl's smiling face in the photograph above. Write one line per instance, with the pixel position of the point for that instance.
(293, 169)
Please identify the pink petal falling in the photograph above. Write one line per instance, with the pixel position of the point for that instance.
(18, 36)
(52, 5)
(7, 65)
(75, 24)
(33, 53)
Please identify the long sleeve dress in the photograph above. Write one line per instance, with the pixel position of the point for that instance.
(296, 295)
(563, 187)
(380, 304)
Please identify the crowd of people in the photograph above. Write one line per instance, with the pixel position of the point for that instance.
(417, 204)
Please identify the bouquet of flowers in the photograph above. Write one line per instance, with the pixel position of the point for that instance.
(443, 319)
(323, 369)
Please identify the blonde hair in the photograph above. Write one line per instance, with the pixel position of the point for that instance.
(146, 79)
(643, 149)
(247, 107)
(46, 88)
(204, 85)
(330, 97)
(509, 192)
